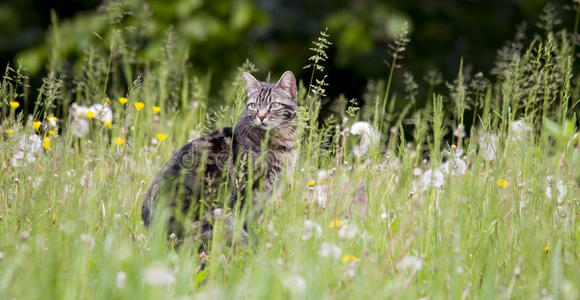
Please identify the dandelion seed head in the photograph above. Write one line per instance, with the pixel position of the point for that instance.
(311, 229)
(330, 250)
(80, 127)
(295, 284)
(158, 275)
(121, 279)
(410, 263)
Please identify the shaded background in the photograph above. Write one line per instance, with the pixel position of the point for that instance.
(276, 35)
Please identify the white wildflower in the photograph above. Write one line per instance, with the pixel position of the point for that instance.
(158, 274)
(347, 231)
(295, 284)
(30, 144)
(330, 250)
(80, 127)
(311, 229)
(88, 240)
(321, 195)
(21, 157)
(121, 279)
(455, 165)
(459, 131)
(427, 179)
(488, 145)
(560, 188)
(520, 130)
(410, 263)
(102, 113)
(368, 136)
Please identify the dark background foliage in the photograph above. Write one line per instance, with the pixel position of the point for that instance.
(276, 35)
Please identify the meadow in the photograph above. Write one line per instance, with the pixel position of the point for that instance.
(383, 203)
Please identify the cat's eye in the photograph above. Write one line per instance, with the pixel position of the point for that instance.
(275, 105)
(252, 106)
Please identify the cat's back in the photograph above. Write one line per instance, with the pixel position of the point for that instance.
(180, 176)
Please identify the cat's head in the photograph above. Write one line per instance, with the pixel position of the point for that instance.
(271, 105)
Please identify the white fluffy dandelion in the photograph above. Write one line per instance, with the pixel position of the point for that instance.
(30, 144)
(520, 130)
(561, 189)
(488, 145)
(311, 229)
(159, 275)
(121, 279)
(295, 284)
(80, 127)
(368, 135)
(102, 113)
(330, 250)
(347, 231)
(410, 263)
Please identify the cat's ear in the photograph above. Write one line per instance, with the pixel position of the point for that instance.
(251, 82)
(287, 83)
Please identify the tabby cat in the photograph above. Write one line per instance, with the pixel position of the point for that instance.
(188, 184)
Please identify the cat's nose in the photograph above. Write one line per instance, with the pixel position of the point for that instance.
(262, 115)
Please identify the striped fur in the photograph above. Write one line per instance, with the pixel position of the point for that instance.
(188, 183)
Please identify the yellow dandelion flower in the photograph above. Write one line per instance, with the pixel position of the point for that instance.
(502, 183)
(311, 183)
(9, 131)
(119, 141)
(52, 119)
(156, 109)
(123, 100)
(36, 124)
(335, 224)
(52, 132)
(108, 124)
(46, 143)
(161, 136)
(547, 249)
(348, 258)
(14, 104)
(91, 114)
(139, 105)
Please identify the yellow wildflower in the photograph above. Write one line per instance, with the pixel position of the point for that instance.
(14, 104)
(161, 136)
(139, 105)
(547, 249)
(52, 132)
(502, 183)
(123, 100)
(119, 141)
(156, 109)
(36, 124)
(108, 124)
(91, 114)
(311, 183)
(9, 131)
(52, 119)
(107, 101)
(46, 143)
(335, 224)
(348, 258)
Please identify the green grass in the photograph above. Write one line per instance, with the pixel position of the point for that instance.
(70, 224)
